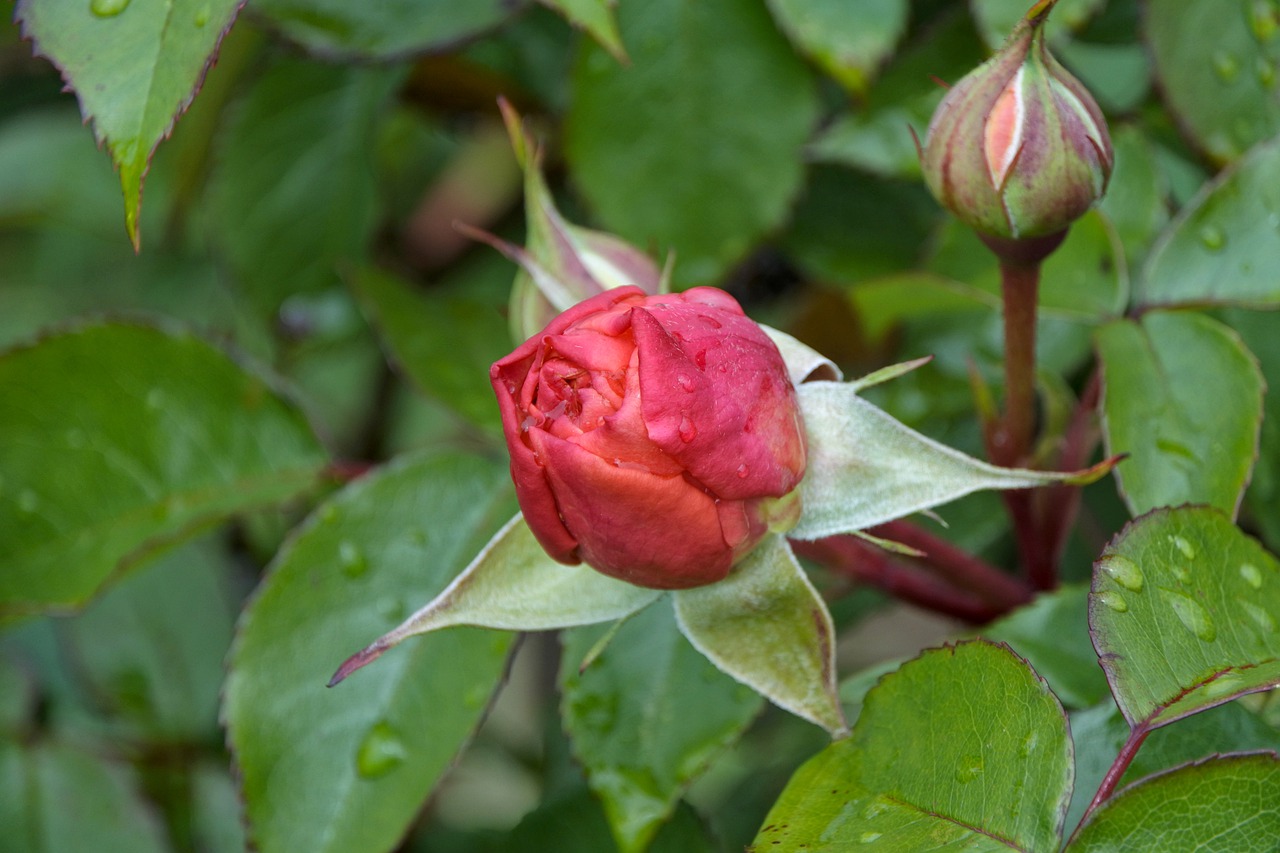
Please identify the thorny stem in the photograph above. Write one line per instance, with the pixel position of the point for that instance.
(869, 564)
(1115, 772)
(959, 566)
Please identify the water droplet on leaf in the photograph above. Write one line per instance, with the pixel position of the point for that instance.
(1029, 744)
(1114, 600)
(1192, 615)
(1212, 238)
(970, 768)
(1123, 571)
(202, 16)
(1252, 575)
(155, 398)
(1225, 66)
(1264, 20)
(869, 837)
(352, 559)
(380, 752)
(874, 810)
(28, 501)
(1227, 683)
(1184, 547)
(1266, 72)
(1261, 617)
(107, 8)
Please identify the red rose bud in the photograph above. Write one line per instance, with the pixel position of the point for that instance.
(656, 438)
(1018, 148)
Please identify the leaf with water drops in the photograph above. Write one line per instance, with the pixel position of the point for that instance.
(646, 717)
(122, 437)
(1183, 397)
(849, 47)
(865, 468)
(1223, 804)
(961, 748)
(348, 769)
(1184, 611)
(1216, 63)
(135, 66)
(1221, 250)
(766, 626)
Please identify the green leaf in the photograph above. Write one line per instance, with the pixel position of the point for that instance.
(388, 29)
(1183, 610)
(121, 437)
(596, 17)
(443, 340)
(17, 698)
(296, 193)
(1220, 804)
(997, 18)
(152, 658)
(1052, 633)
(135, 66)
(646, 717)
(961, 748)
(1217, 71)
(1183, 397)
(696, 145)
(766, 626)
(56, 797)
(338, 770)
(849, 47)
(1221, 248)
(513, 584)
(865, 468)
(1137, 194)
(1262, 498)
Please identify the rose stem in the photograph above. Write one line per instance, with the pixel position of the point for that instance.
(959, 566)
(1115, 772)
(346, 471)
(867, 563)
(1059, 505)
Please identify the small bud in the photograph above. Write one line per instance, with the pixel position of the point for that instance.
(1018, 148)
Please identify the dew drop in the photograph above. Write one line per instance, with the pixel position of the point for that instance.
(869, 837)
(1264, 20)
(1192, 615)
(874, 810)
(352, 559)
(1266, 70)
(419, 538)
(1252, 575)
(1228, 682)
(970, 768)
(1225, 66)
(155, 398)
(202, 16)
(394, 611)
(476, 696)
(688, 432)
(329, 514)
(75, 438)
(1123, 571)
(28, 501)
(1114, 600)
(1182, 573)
(1212, 238)
(1261, 617)
(685, 382)
(743, 471)
(1184, 547)
(1029, 744)
(107, 8)
(700, 359)
(380, 752)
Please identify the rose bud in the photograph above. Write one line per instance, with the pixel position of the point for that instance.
(1018, 148)
(656, 438)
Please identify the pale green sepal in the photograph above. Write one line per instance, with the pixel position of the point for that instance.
(767, 627)
(884, 374)
(865, 468)
(512, 584)
(803, 362)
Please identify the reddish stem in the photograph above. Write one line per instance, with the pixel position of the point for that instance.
(344, 471)
(1115, 772)
(869, 564)
(1059, 505)
(959, 566)
(1019, 286)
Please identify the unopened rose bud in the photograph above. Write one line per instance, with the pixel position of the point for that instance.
(656, 438)
(1018, 148)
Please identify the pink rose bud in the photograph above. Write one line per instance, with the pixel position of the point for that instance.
(656, 438)
(1018, 148)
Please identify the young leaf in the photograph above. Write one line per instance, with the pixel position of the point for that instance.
(338, 770)
(1221, 248)
(1183, 610)
(865, 468)
(696, 145)
(961, 748)
(135, 66)
(646, 717)
(1223, 803)
(513, 584)
(121, 437)
(1217, 71)
(766, 626)
(849, 47)
(1183, 397)
(596, 17)
(384, 30)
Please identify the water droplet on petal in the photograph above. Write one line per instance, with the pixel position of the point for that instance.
(107, 8)
(1191, 614)
(1260, 617)
(1184, 547)
(1252, 575)
(352, 559)
(1228, 682)
(1225, 66)
(1212, 238)
(380, 752)
(688, 432)
(1114, 600)
(685, 382)
(970, 768)
(743, 471)
(28, 501)
(1123, 571)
